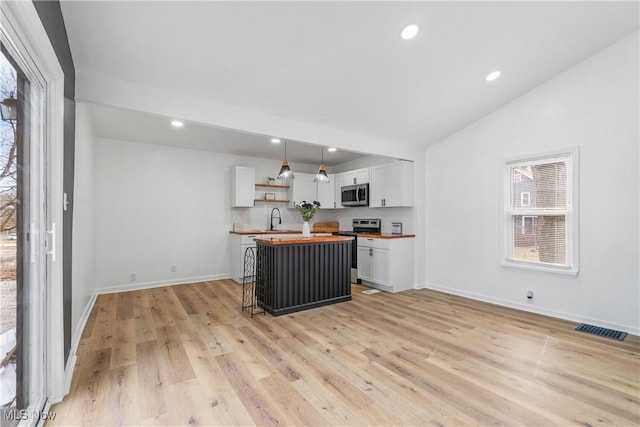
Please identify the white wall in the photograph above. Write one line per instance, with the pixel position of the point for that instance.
(593, 105)
(158, 206)
(83, 265)
(359, 163)
(108, 91)
(387, 215)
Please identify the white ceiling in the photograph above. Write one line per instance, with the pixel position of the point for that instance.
(343, 64)
(127, 125)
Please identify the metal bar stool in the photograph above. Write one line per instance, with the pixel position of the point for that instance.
(249, 294)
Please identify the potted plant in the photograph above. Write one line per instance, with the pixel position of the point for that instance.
(307, 210)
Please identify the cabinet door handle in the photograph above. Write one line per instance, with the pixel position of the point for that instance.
(52, 233)
(370, 252)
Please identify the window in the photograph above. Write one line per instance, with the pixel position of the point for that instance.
(541, 213)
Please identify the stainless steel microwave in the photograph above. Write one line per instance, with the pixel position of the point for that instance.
(355, 195)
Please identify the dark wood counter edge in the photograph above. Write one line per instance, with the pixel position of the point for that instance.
(386, 236)
(267, 232)
(275, 241)
(296, 308)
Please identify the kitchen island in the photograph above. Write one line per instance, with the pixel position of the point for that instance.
(294, 274)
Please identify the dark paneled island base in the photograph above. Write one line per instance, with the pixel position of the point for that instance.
(299, 274)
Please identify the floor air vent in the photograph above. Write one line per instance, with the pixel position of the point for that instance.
(603, 332)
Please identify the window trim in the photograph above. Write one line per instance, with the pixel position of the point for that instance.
(571, 157)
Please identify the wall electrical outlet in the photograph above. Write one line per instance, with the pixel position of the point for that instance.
(132, 277)
(529, 294)
(173, 268)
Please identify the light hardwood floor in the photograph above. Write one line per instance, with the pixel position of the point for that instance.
(186, 355)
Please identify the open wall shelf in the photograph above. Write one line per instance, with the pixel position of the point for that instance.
(272, 185)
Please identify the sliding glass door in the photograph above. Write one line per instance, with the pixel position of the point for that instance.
(23, 268)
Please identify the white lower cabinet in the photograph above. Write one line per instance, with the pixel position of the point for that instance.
(375, 265)
(239, 244)
(386, 264)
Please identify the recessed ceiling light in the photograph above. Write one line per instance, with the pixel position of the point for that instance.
(409, 32)
(492, 76)
(275, 140)
(177, 123)
(331, 149)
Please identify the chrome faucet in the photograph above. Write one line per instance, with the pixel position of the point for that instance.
(279, 217)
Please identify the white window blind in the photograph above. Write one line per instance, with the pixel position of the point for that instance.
(539, 228)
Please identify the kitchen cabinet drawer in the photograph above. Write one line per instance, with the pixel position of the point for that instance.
(247, 239)
(372, 242)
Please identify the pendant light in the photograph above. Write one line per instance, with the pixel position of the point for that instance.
(285, 170)
(322, 176)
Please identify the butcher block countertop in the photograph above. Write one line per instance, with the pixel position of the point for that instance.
(385, 235)
(302, 240)
(318, 227)
(247, 232)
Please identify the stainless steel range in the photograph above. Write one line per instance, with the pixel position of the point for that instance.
(359, 226)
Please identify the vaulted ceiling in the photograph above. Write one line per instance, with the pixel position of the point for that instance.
(343, 64)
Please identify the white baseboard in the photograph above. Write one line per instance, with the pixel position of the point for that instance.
(149, 285)
(634, 330)
(75, 341)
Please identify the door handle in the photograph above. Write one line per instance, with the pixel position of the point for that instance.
(52, 233)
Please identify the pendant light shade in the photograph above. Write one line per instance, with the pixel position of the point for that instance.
(322, 176)
(285, 170)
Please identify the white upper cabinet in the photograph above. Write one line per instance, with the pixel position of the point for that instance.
(326, 193)
(337, 187)
(360, 176)
(303, 188)
(243, 180)
(391, 185)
